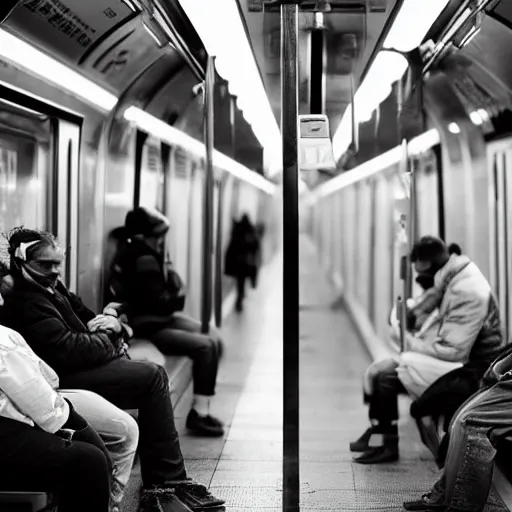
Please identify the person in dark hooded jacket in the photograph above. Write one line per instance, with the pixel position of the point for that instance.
(242, 256)
(154, 296)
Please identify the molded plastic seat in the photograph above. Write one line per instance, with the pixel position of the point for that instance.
(36, 500)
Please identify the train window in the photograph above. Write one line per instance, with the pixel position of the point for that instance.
(25, 163)
(152, 176)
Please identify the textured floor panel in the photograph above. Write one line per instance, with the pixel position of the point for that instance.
(250, 497)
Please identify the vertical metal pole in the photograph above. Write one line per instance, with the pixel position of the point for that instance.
(317, 67)
(289, 105)
(219, 253)
(355, 134)
(206, 305)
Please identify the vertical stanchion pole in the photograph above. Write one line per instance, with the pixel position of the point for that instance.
(219, 253)
(206, 304)
(289, 105)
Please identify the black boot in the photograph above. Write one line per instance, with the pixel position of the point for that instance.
(363, 443)
(388, 452)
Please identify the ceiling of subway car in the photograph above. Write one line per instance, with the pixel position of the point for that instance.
(352, 32)
(122, 46)
(479, 72)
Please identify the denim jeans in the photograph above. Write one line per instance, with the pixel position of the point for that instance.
(475, 430)
(117, 429)
(143, 386)
(183, 337)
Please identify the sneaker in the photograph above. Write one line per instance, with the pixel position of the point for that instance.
(207, 426)
(161, 499)
(196, 496)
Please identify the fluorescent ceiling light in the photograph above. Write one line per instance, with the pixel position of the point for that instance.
(484, 115)
(454, 128)
(236, 64)
(423, 142)
(175, 137)
(475, 118)
(387, 68)
(20, 53)
(384, 161)
(413, 22)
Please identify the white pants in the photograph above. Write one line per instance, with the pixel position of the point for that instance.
(417, 371)
(118, 430)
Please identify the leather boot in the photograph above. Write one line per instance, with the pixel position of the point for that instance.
(388, 452)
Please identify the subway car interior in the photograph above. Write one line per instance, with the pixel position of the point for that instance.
(363, 146)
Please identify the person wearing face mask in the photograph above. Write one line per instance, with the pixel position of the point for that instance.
(87, 351)
(465, 331)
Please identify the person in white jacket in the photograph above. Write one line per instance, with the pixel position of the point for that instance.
(466, 331)
(29, 396)
(37, 426)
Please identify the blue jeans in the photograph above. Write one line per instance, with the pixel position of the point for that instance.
(118, 431)
(475, 430)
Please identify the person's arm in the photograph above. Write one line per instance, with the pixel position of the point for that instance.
(80, 309)
(31, 393)
(457, 333)
(61, 347)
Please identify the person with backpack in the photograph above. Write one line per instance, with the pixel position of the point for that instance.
(153, 296)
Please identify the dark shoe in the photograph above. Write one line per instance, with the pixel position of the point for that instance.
(362, 444)
(423, 505)
(380, 454)
(206, 426)
(196, 496)
(161, 500)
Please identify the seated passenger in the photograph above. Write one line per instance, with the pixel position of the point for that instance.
(467, 329)
(45, 445)
(116, 428)
(57, 326)
(153, 299)
(479, 425)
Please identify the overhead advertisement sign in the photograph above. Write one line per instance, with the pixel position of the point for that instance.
(68, 27)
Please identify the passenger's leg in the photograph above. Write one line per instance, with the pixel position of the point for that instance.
(117, 429)
(184, 322)
(240, 292)
(145, 386)
(474, 433)
(202, 349)
(32, 460)
(384, 419)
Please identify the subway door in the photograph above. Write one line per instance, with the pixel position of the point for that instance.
(67, 159)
